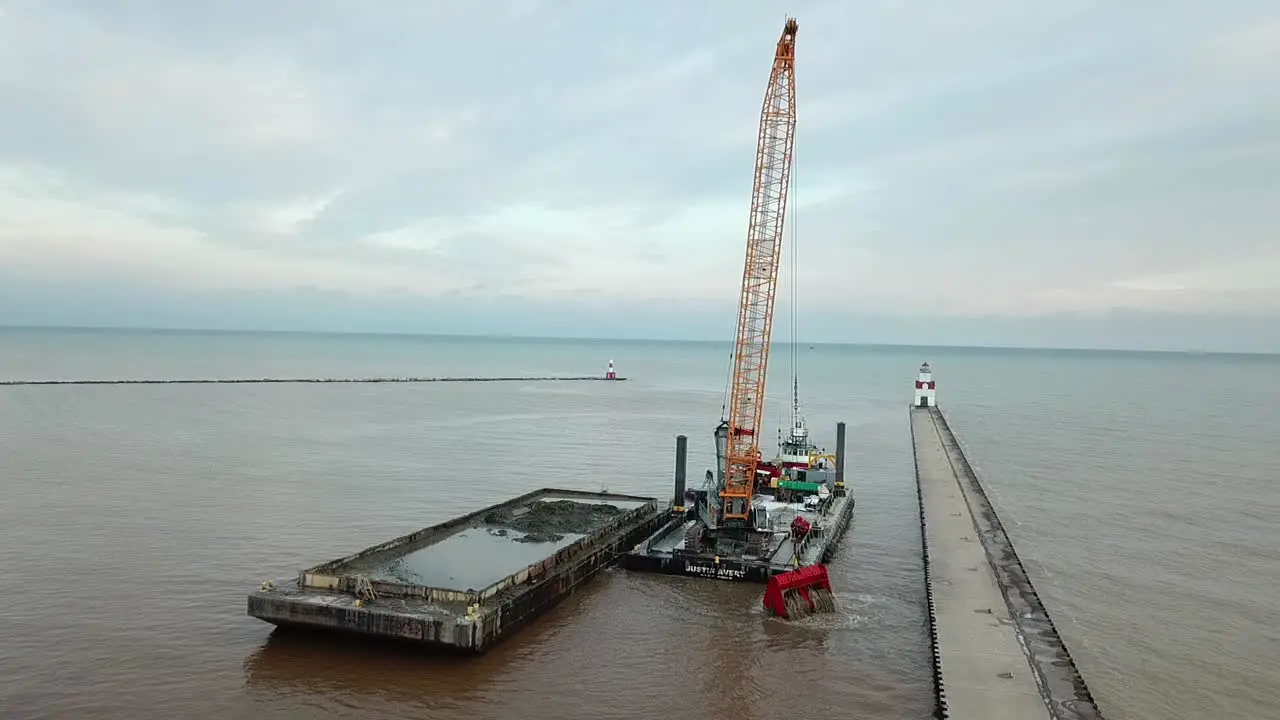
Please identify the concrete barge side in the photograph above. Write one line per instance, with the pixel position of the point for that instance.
(389, 591)
(996, 652)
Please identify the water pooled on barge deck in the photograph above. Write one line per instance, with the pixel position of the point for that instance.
(504, 542)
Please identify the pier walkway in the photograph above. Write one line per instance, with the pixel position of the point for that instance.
(996, 653)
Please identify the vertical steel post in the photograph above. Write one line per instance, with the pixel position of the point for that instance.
(839, 454)
(682, 451)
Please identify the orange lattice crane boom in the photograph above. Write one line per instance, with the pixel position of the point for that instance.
(774, 148)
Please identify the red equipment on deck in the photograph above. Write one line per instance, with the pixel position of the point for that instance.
(799, 528)
(799, 592)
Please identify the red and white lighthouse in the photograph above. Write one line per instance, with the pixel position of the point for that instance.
(926, 390)
(610, 374)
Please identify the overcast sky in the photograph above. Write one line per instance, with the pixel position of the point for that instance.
(990, 171)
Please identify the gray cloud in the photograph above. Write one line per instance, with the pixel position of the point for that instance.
(1004, 160)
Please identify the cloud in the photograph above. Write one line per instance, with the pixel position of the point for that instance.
(1001, 161)
(291, 218)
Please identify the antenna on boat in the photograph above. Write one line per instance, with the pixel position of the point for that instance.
(796, 419)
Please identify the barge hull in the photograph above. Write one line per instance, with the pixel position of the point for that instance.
(664, 551)
(339, 596)
(644, 559)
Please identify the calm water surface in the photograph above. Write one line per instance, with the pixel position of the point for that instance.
(1140, 488)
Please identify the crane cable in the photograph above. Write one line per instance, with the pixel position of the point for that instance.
(795, 294)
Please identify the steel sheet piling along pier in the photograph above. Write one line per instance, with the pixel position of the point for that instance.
(996, 652)
(468, 582)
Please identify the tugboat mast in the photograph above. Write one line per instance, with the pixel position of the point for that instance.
(799, 437)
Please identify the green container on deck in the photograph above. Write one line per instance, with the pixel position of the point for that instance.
(797, 485)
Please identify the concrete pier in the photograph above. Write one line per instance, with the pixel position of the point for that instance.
(997, 654)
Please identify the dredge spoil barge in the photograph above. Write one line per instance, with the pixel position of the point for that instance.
(996, 652)
(466, 583)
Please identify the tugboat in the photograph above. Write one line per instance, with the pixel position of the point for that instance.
(801, 471)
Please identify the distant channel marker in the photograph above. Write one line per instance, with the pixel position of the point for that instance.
(240, 381)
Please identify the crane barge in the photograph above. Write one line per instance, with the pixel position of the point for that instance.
(775, 522)
(774, 149)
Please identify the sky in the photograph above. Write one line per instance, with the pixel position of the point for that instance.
(1075, 173)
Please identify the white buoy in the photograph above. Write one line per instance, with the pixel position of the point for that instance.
(926, 389)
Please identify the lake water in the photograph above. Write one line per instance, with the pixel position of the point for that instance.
(1141, 489)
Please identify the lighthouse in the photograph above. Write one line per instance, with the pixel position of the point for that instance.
(610, 374)
(926, 390)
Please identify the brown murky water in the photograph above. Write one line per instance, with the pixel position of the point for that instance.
(134, 520)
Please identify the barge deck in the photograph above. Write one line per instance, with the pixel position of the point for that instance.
(466, 583)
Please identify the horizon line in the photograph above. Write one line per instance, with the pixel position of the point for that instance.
(506, 336)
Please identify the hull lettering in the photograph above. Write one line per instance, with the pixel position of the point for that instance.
(721, 572)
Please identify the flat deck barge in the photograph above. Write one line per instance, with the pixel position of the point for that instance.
(674, 549)
(466, 583)
(996, 652)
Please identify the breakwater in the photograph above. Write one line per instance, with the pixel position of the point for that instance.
(242, 381)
